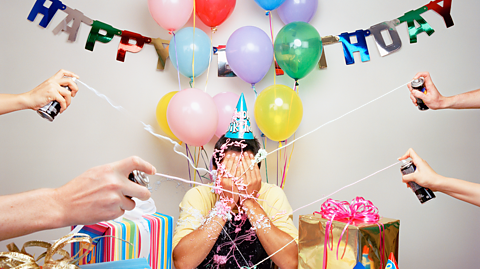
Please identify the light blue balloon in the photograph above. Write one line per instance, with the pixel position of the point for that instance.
(182, 46)
(269, 4)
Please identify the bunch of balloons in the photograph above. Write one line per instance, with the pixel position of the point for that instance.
(192, 115)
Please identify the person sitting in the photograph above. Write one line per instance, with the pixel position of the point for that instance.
(241, 222)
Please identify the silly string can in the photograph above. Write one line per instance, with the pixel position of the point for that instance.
(139, 178)
(423, 194)
(419, 85)
(51, 110)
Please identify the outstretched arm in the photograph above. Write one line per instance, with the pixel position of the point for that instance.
(97, 195)
(425, 176)
(434, 100)
(51, 89)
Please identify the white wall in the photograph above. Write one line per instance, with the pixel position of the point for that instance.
(439, 234)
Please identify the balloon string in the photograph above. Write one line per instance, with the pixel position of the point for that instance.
(282, 182)
(188, 161)
(193, 49)
(176, 58)
(274, 59)
(351, 111)
(210, 60)
(198, 160)
(287, 164)
(255, 91)
(265, 148)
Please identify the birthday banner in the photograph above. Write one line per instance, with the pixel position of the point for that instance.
(76, 18)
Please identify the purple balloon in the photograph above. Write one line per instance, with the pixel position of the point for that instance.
(250, 53)
(297, 10)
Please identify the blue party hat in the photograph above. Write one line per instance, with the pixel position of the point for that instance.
(240, 127)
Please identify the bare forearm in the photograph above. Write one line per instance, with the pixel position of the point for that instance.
(194, 247)
(11, 102)
(463, 190)
(271, 237)
(463, 101)
(29, 212)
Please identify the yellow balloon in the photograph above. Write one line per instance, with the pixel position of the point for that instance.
(278, 112)
(162, 114)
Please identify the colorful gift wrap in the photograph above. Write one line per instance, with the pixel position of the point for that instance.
(111, 248)
(140, 263)
(351, 241)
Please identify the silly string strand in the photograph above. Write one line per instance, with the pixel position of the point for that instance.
(319, 127)
(176, 145)
(176, 58)
(148, 128)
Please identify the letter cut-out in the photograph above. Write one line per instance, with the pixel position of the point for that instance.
(443, 11)
(326, 40)
(125, 45)
(162, 51)
(77, 17)
(96, 36)
(412, 16)
(47, 12)
(389, 26)
(224, 69)
(360, 46)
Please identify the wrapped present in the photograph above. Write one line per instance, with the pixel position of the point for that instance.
(347, 235)
(142, 236)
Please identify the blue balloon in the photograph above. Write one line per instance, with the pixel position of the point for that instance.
(182, 46)
(269, 4)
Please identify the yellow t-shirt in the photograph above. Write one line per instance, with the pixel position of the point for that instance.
(198, 202)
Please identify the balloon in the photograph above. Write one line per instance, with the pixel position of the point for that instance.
(162, 114)
(171, 15)
(225, 102)
(298, 48)
(192, 116)
(294, 10)
(214, 12)
(278, 112)
(249, 53)
(182, 46)
(269, 4)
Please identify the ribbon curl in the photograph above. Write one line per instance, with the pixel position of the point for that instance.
(16, 258)
(360, 210)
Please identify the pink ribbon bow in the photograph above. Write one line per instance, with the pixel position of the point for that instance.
(358, 210)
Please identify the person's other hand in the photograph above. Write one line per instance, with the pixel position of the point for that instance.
(424, 175)
(53, 89)
(432, 97)
(100, 193)
(251, 175)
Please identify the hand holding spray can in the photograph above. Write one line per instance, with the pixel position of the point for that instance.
(423, 194)
(51, 110)
(419, 85)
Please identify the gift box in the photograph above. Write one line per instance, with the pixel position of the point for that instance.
(122, 239)
(343, 238)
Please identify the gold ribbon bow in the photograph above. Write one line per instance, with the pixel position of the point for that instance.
(20, 259)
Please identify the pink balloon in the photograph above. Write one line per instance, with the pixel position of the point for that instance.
(192, 116)
(226, 103)
(171, 15)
